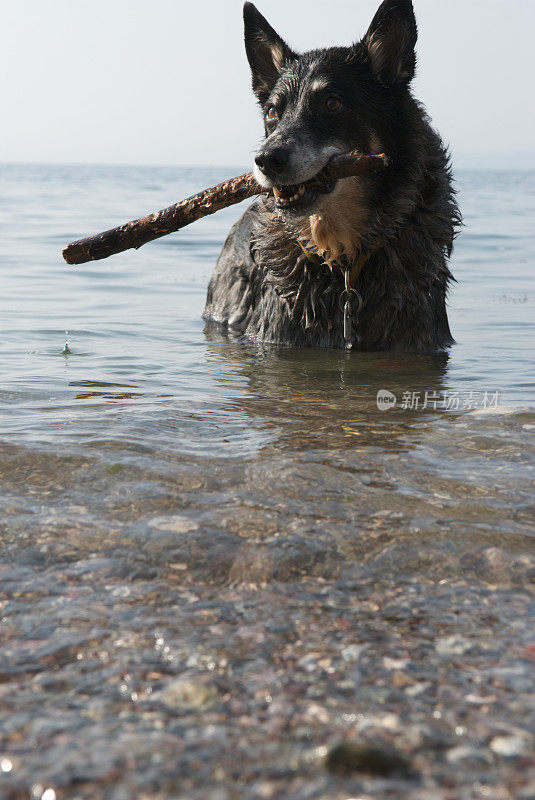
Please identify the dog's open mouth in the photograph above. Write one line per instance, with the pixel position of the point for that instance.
(299, 195)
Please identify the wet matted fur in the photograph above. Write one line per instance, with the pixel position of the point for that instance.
(264, 287)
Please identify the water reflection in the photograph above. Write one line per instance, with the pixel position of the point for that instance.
(104, 390)
(327, 399)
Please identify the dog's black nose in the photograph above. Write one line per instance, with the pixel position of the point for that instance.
(272, 162)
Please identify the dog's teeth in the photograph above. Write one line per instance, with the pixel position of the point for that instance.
(298, 194)
(282, 200)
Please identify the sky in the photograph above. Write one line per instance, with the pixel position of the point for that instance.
(167, 81)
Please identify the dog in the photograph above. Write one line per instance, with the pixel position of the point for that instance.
(361, 262)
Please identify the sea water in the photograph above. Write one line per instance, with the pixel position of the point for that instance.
(167, 490)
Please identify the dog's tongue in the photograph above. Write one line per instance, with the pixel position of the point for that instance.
(288, 191)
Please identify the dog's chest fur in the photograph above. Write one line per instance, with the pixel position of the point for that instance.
(337, 231)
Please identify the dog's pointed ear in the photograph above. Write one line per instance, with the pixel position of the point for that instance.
(266, 52)
(390, 42)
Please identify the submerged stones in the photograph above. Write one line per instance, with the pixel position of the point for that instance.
(367, 758)
(188, 694)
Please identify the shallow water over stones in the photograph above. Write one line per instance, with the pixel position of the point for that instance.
(224, 569)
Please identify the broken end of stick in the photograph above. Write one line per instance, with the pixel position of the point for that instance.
(386, 161)
(68, 255)
(73, 257)
(76, 253)
(383, 158)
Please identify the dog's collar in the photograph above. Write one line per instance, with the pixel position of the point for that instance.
(349, 294)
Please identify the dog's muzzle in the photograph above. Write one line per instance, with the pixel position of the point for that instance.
(275, 164)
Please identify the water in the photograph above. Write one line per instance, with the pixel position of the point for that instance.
(221, 558)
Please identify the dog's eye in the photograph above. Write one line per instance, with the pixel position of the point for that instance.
(333, 104)
(271, 113)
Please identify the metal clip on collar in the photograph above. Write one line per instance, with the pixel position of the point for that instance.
(347, 304)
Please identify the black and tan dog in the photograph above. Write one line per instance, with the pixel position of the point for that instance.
(362, 261)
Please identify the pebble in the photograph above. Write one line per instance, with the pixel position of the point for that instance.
(174, 524)
(187, 694)
(469, 755)
(370, 759)
(452, 645)
(508, 746)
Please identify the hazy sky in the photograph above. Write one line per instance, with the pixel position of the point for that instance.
(167, 81)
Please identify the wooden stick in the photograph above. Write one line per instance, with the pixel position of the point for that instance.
(140, 231)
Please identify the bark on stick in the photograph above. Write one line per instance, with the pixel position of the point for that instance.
(140, 231)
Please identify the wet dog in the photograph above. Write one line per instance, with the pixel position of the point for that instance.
(363, 261)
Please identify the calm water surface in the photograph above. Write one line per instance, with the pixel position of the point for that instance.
(136, 319)
(180, 510)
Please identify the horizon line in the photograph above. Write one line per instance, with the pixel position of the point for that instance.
(479, 163)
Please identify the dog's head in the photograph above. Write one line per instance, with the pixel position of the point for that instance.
(325, 102)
